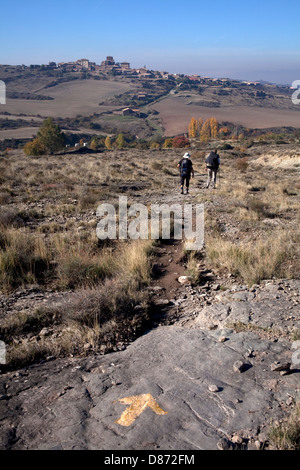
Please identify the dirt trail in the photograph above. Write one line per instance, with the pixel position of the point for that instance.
(165, 286)
(169, 266)
(168, 292)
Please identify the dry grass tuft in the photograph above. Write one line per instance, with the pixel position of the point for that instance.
(265, 258)
(286, 435)
(93, 318)
(23, 258)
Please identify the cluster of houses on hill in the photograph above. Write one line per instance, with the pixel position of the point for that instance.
(107, 65)
(110, 66)
(123, 68)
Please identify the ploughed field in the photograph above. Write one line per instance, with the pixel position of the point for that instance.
(176, 112)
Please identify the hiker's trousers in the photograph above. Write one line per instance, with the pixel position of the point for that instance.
(211, 177)
(185, 179)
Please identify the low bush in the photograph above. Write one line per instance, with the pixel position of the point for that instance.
(242, 164)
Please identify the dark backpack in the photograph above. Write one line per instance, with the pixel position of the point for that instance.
(212, 161)
(184, 167)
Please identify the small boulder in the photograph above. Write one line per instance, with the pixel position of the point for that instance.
(184, 279)
(222, 339)
(280, 366)
(240, 366)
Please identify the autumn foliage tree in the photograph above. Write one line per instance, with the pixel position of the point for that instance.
(97, 142)
(35, 148)
(168, 143)
(200, 124)
(180, 141)
(155, 145)
(93, 144)
(214, 126)
(193, 128)
(120, 141)
(205, 132)
(223, 131)
(107, 142)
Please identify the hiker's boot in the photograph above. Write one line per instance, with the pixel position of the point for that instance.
(181, 191)
(187, 190)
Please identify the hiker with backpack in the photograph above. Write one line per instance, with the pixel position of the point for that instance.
(212, 165)
(186, 170)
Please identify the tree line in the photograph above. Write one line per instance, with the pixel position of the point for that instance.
(206, 130)
(51, 139)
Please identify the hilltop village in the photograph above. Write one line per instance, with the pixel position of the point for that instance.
(110, 67)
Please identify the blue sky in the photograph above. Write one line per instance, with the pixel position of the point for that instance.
(239, 39)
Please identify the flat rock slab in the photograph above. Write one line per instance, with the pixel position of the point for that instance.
(177, 387)
(272, 307)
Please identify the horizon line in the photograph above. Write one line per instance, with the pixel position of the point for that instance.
(260, 81)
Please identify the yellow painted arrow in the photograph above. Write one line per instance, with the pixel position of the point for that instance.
(138, 403)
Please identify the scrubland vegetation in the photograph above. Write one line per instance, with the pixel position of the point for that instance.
(48, 239)
(266, 208)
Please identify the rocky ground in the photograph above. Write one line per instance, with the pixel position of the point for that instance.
(219, 387)
(217, 369)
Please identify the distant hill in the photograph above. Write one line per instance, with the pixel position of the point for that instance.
(163, 103)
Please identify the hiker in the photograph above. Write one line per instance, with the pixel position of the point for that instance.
(186, 170)
(212, 166)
